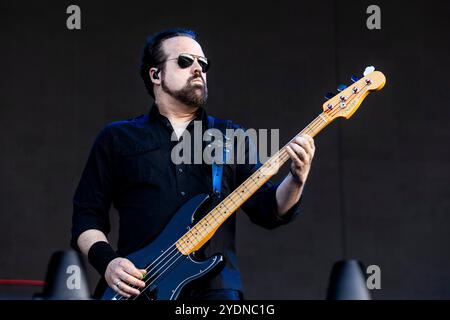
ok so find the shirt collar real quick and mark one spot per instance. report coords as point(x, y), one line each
point(154, 115)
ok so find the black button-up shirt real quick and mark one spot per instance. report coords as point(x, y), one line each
point(130, 167)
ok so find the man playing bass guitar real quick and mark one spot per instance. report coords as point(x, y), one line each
point(130, 167)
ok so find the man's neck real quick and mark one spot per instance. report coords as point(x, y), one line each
point(178, 113)
point(175, 111)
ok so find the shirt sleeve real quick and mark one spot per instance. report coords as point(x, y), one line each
point(92, 199)
point(262, 206)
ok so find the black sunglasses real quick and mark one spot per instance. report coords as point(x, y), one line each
point(185, 60)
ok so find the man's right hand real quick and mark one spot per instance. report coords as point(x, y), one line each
point(121, 274)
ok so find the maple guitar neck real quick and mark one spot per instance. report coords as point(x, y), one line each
point(341, 105)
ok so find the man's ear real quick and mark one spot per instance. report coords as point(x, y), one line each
point(154, 75)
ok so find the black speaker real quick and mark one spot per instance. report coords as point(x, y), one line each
point(348, 281)
point(66, 278)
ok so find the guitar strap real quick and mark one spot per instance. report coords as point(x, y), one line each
point(217, 168)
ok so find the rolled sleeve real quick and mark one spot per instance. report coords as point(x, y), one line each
point(262, 208)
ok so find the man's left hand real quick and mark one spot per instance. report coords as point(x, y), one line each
point(301, 150)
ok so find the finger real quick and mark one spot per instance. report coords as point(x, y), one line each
point(123, 286)
point(310, 140)
point(117, 289)
point(129, 268)
point(304, 143)
point(131, 280)
point(313, 146)
point(299, 151)
point(143, 273)
point(302, 149)
point(294, 158)
point(307, 143)
point(122, 293)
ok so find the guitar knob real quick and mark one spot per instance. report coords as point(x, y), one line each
point(368, 70)
point(341, 87)
point(354, 78)
point(329, 95)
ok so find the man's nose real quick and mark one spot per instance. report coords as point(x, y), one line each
point(197, 68)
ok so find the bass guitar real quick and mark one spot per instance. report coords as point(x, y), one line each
point(170, 260)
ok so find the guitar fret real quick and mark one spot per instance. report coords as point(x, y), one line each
point(220, 217)
point(197, 231)
point(210, 220)
point(258, 175)
point(244, 185)
point(225, 206)
point(217, 213)
point(239, 194)
point(189, 238)
point(323, 118)
point(251, 179)
point(214, 218)
point(229, 198)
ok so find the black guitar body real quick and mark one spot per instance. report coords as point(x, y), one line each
point(168, 271)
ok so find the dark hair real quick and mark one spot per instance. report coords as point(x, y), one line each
point(153, 54)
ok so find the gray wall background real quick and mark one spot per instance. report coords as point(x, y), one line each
point(379, 187)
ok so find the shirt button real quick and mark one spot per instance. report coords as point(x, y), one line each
point(180, 170)
point(183, 193)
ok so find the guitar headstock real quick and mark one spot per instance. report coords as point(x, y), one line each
point(348, 100)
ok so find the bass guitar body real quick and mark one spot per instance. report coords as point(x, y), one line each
point(168, 270)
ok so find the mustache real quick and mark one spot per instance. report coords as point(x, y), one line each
point(195, 77)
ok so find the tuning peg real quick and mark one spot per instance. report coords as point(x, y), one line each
point(368, 70)
point(329, 95)
point(354, 78)
point(341, 87)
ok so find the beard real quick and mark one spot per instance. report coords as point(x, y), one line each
point(193, 95)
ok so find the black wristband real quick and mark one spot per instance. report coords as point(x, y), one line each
point(100, 255)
